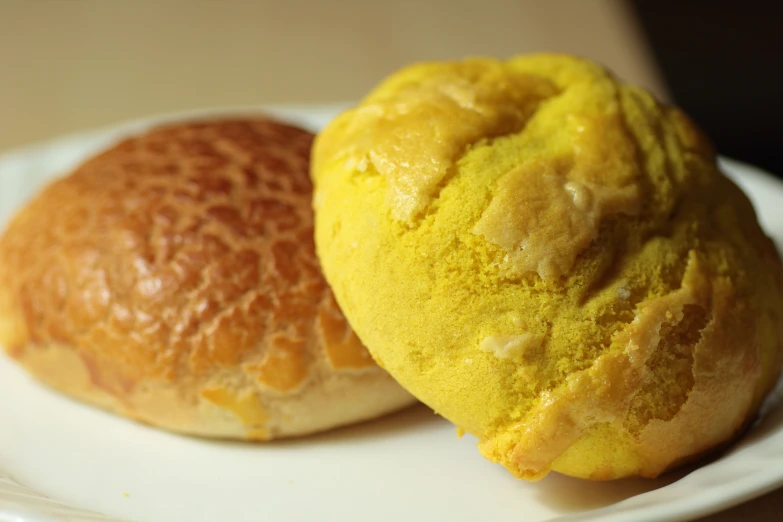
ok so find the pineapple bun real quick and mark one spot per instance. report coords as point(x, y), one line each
point(552, 260)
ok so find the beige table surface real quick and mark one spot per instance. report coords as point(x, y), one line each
point(69, 65)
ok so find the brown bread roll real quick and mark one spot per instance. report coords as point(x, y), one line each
point(173, 279)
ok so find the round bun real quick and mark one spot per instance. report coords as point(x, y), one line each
point(552, 260)
point(173, 279)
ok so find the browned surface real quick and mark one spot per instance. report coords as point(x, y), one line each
point(175, 256)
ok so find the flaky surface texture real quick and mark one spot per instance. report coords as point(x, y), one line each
point(552, 260)
point(173, 279)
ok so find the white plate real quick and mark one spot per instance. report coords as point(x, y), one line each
point(63, 461)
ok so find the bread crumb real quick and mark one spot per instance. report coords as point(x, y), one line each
point(460, 432)
point(361, 166)
point(510, 346)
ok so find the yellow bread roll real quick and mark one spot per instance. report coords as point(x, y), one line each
point(552, 260)
point(173, 279)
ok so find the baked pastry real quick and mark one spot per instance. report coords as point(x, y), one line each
point(173, 279)
point(552, 260)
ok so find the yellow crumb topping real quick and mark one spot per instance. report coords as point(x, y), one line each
point(552, 260)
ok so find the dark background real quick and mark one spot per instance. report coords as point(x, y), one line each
point(723, 62)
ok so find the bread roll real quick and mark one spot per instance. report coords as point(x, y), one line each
point(553, 261)
point(173, 279)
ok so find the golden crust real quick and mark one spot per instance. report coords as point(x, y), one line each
point(552, 260)
point(181, 264)
point(698, 332)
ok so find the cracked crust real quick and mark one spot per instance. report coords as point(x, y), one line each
point(552, 260)
point(173, 279)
